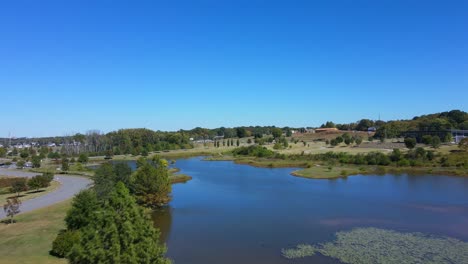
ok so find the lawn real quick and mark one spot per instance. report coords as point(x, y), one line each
point(325, 172)
point(30, 239)
point(4, 193)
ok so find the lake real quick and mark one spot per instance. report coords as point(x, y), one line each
point(233, 213)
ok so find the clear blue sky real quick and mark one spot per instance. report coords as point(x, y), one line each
point(70, 66)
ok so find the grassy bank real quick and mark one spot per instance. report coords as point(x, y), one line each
point(30, 239)
point(24, 196)
point(179, 178)
point(323, 170)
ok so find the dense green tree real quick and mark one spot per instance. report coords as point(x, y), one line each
point(40, 181)
point(3, 152)
point(65, 164)
point(84, 205)
point(20, 164)
point(410, 143)
point(53, 155)
point(123, 174)
point(104, 180)
point(396, 155)
point(119, 232)
point(329, 124)
point(426, 139)
point(277, 132)
point(34, 183)
point(24, 154)
point(83, 158)
point(358, 141)
point(64, 242)
point(36, 161)
point(435, 142)
point(19, 185)
point(364, 124)
point(463, 144)
point(241, 132)
point(151, 183)
point(347, 141)
point(237, 142)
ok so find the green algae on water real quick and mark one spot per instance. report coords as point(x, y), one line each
point(373, 245)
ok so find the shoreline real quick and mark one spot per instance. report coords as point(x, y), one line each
point(318, 170)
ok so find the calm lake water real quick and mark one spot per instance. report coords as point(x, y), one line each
point(236, 214)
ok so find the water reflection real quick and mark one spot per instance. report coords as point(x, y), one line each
point(162, 219)
point(234, 214)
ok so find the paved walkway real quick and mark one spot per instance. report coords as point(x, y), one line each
point(69, 186)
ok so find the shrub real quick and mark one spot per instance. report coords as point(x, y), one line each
point(64, 242)
point(403, 163)
point(410, 142)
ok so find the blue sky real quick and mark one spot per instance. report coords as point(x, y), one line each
point(71, 66)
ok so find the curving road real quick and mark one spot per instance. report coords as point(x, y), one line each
point(69, 186)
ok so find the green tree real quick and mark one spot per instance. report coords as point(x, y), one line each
point(83, 158)
point(20, 164)
point(53, 155)
point(151, 183)
point(104, 180)
point(84, 205)
point(463, 144)
point(119, 232)
point(19, 185)
point(410, 142)
point(241, 132)
point(426, 139)
point(35, 183)
point(435, 142)
point(276, 132)
point(3, 152)
point(358, 141)
point(64, 242)
point(347, 141)
point(65, 164)
point(36, 162)
point(237, 142)
point(329, 124)
point(24, 154)
point(40, 181)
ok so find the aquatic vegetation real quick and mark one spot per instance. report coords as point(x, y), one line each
point(373, 245)
point(301, 251)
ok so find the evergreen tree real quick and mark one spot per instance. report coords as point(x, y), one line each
point(119, 232)
point(151, 183)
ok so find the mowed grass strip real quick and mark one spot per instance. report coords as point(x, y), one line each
point(30, 239)
point(30, 194)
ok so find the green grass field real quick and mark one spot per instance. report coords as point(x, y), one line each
point(29, 240)
point(4, 194)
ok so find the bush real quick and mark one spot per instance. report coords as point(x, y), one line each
point(83, 158)
point(64, 242)
point(410, 143)
point(256, 151)
point(403, 163)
